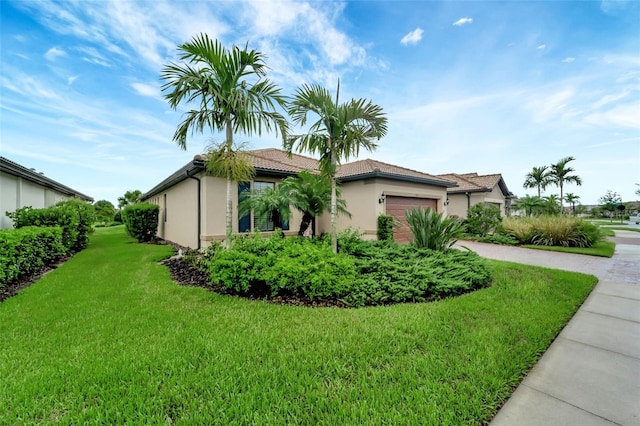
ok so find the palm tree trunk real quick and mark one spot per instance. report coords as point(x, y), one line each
point(305, 223)
point(229, 222)
point(561, 198)
point(229, 213)
point(334, 203)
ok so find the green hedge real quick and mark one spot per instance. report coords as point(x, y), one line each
point(141, 221)
point(27, 249)
point(363, 273)
point(73, 216)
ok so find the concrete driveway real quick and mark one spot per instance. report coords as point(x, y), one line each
point(590, 375)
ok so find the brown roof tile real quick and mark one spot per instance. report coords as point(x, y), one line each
point(474, 181)
point(368, 166)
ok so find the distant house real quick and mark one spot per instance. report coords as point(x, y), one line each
point(22, 187)
point(472, 189)
point(192, 204)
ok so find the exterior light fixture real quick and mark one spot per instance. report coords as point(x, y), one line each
point(382, 198)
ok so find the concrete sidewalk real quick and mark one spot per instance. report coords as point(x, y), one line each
point(590, 375)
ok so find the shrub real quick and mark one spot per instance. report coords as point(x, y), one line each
point(483, 219)
point(563, 231)
point(117, 217)
point(432, 230)
point(141, 221)
point(385, 227)
point(392, 273)
point(363, 273)
point(27, 249)
point(73, 216)
point(279, 266)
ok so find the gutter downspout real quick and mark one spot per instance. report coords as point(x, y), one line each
point(199, 209)
point(468, 200)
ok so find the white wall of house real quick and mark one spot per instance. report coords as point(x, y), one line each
point(16, 192)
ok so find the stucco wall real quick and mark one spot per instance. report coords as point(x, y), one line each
point(16, 192)
point(362, 199)
point(458, 202)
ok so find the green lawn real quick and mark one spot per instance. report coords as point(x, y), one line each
point(601, 249)
point(109, 338)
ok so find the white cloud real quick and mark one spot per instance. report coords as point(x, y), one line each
point(462, 21)
point(541, 47)
point(146, 90)
point(71, 79)
point(568, 59)
point(413, 37)
point(54, 53)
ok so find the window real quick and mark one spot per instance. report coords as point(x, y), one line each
point(264, 222)
point(260, 223)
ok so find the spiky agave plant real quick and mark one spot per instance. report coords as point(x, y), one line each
point(432, 230)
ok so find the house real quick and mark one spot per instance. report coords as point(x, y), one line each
point(472, 189)
point(22, 187)
point(193, 204)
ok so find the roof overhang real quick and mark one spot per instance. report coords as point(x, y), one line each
point(15, 169)
point(401, 178)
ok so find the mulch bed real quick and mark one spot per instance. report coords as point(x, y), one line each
point(25, 281)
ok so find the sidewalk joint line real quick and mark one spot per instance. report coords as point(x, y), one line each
point(572, 405)
point(600, 348)
point(610, 316)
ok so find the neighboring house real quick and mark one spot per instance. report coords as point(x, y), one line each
point(192, 204)
point(22, 187)
point(472, 189)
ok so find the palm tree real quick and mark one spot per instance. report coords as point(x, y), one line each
point(560, 174)
point(340, 131)
point(552, 205)
point(538, 177)
point(571, 199)
point(311, 194)
point(232, 94)
point(530, 205)
point(267, 204)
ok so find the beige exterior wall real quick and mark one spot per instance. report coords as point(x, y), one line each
point(178, 216)
point(16, 193)
point(458, 202)
point(362, 199)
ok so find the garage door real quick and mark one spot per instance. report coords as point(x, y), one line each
point(396, 206)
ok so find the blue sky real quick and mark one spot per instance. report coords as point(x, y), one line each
point(468, 86)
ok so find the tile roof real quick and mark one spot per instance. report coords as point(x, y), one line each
point(473, 182)
point(280, 162)
point(376, 168)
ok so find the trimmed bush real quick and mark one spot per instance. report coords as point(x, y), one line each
point(431, 230)
point(363, 273)
point(385, 227)
point(25, 250)
point(392, 273)
point(483, 219)
point(73, 216)
point(141, 221)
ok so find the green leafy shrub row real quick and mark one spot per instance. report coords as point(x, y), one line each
point(363, 273)
point(562, 231)
point(392, 273)
point(27, 249)
point(73, 216)
point(282, 266)
point(141, 221)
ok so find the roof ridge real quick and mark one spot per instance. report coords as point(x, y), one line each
point(396, 166)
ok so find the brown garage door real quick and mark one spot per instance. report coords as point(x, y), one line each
point(396, 206)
